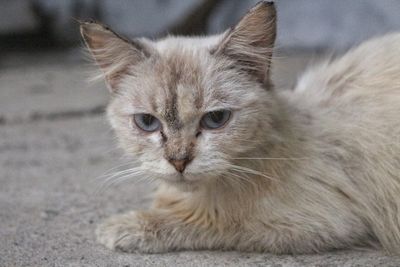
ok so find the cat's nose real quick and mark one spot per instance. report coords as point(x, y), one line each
point(179, 164)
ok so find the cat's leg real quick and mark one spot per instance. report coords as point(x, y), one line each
point(163, 230)
point(157, 231)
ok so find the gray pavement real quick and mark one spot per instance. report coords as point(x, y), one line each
point(55, 143)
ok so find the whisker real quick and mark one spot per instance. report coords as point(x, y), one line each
point(116, 174)
point(106, 173)
point(250, 171)
point(123, 178)
point(260, 158)
point(110, 179)
point(243, 178)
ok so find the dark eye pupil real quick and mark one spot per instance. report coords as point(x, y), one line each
point(146, 122)
point(217, 116)
point(148, 119)
point(215, 119)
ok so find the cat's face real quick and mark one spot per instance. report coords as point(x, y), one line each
point(188, 108)
point(187, 114)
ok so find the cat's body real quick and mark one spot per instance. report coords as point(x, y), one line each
point(291, 171)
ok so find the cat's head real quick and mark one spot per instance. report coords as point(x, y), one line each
point(187, 108)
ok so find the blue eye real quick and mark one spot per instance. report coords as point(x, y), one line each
point(215, 119)
point(146, 122)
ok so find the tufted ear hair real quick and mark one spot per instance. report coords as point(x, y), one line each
point(112, 53)
point(250, 43)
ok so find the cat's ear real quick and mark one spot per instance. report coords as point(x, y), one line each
point(250, 43)
point(112, 53)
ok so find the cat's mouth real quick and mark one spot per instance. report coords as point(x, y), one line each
point(183, 179)
point(182, 182)
point(180, 177)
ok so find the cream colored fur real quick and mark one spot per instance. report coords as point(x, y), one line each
point(301, 171)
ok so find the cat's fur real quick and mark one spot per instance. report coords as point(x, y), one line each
point(293, 171)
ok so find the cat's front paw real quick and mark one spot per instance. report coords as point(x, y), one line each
point(129, 233)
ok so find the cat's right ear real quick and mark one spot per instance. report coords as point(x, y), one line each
point(112, 53)
point(250, 43)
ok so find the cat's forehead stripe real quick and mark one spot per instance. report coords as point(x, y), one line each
point(169, 80)
point(171, 112)
point(181, 82)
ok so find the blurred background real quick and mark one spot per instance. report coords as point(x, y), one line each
point(303, 24)
point(43, 34)
point(55, 143)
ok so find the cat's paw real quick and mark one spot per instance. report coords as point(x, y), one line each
point(129, 233)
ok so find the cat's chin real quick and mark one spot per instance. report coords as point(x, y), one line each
point(185, 186)
point(183, 182)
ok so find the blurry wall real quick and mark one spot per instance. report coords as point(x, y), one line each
point(302, 24)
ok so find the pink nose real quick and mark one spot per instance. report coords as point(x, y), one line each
point(179, 164)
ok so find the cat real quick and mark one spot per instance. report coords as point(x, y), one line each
point(246, 166)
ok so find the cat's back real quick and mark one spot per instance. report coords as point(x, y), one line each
point(352, 105)
point(372, 67)
point(358, 89)
point(349, 109)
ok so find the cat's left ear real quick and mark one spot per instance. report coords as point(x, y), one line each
point(250, 43)
point(113, 53)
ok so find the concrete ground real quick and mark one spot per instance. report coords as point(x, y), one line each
point(55, 142)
